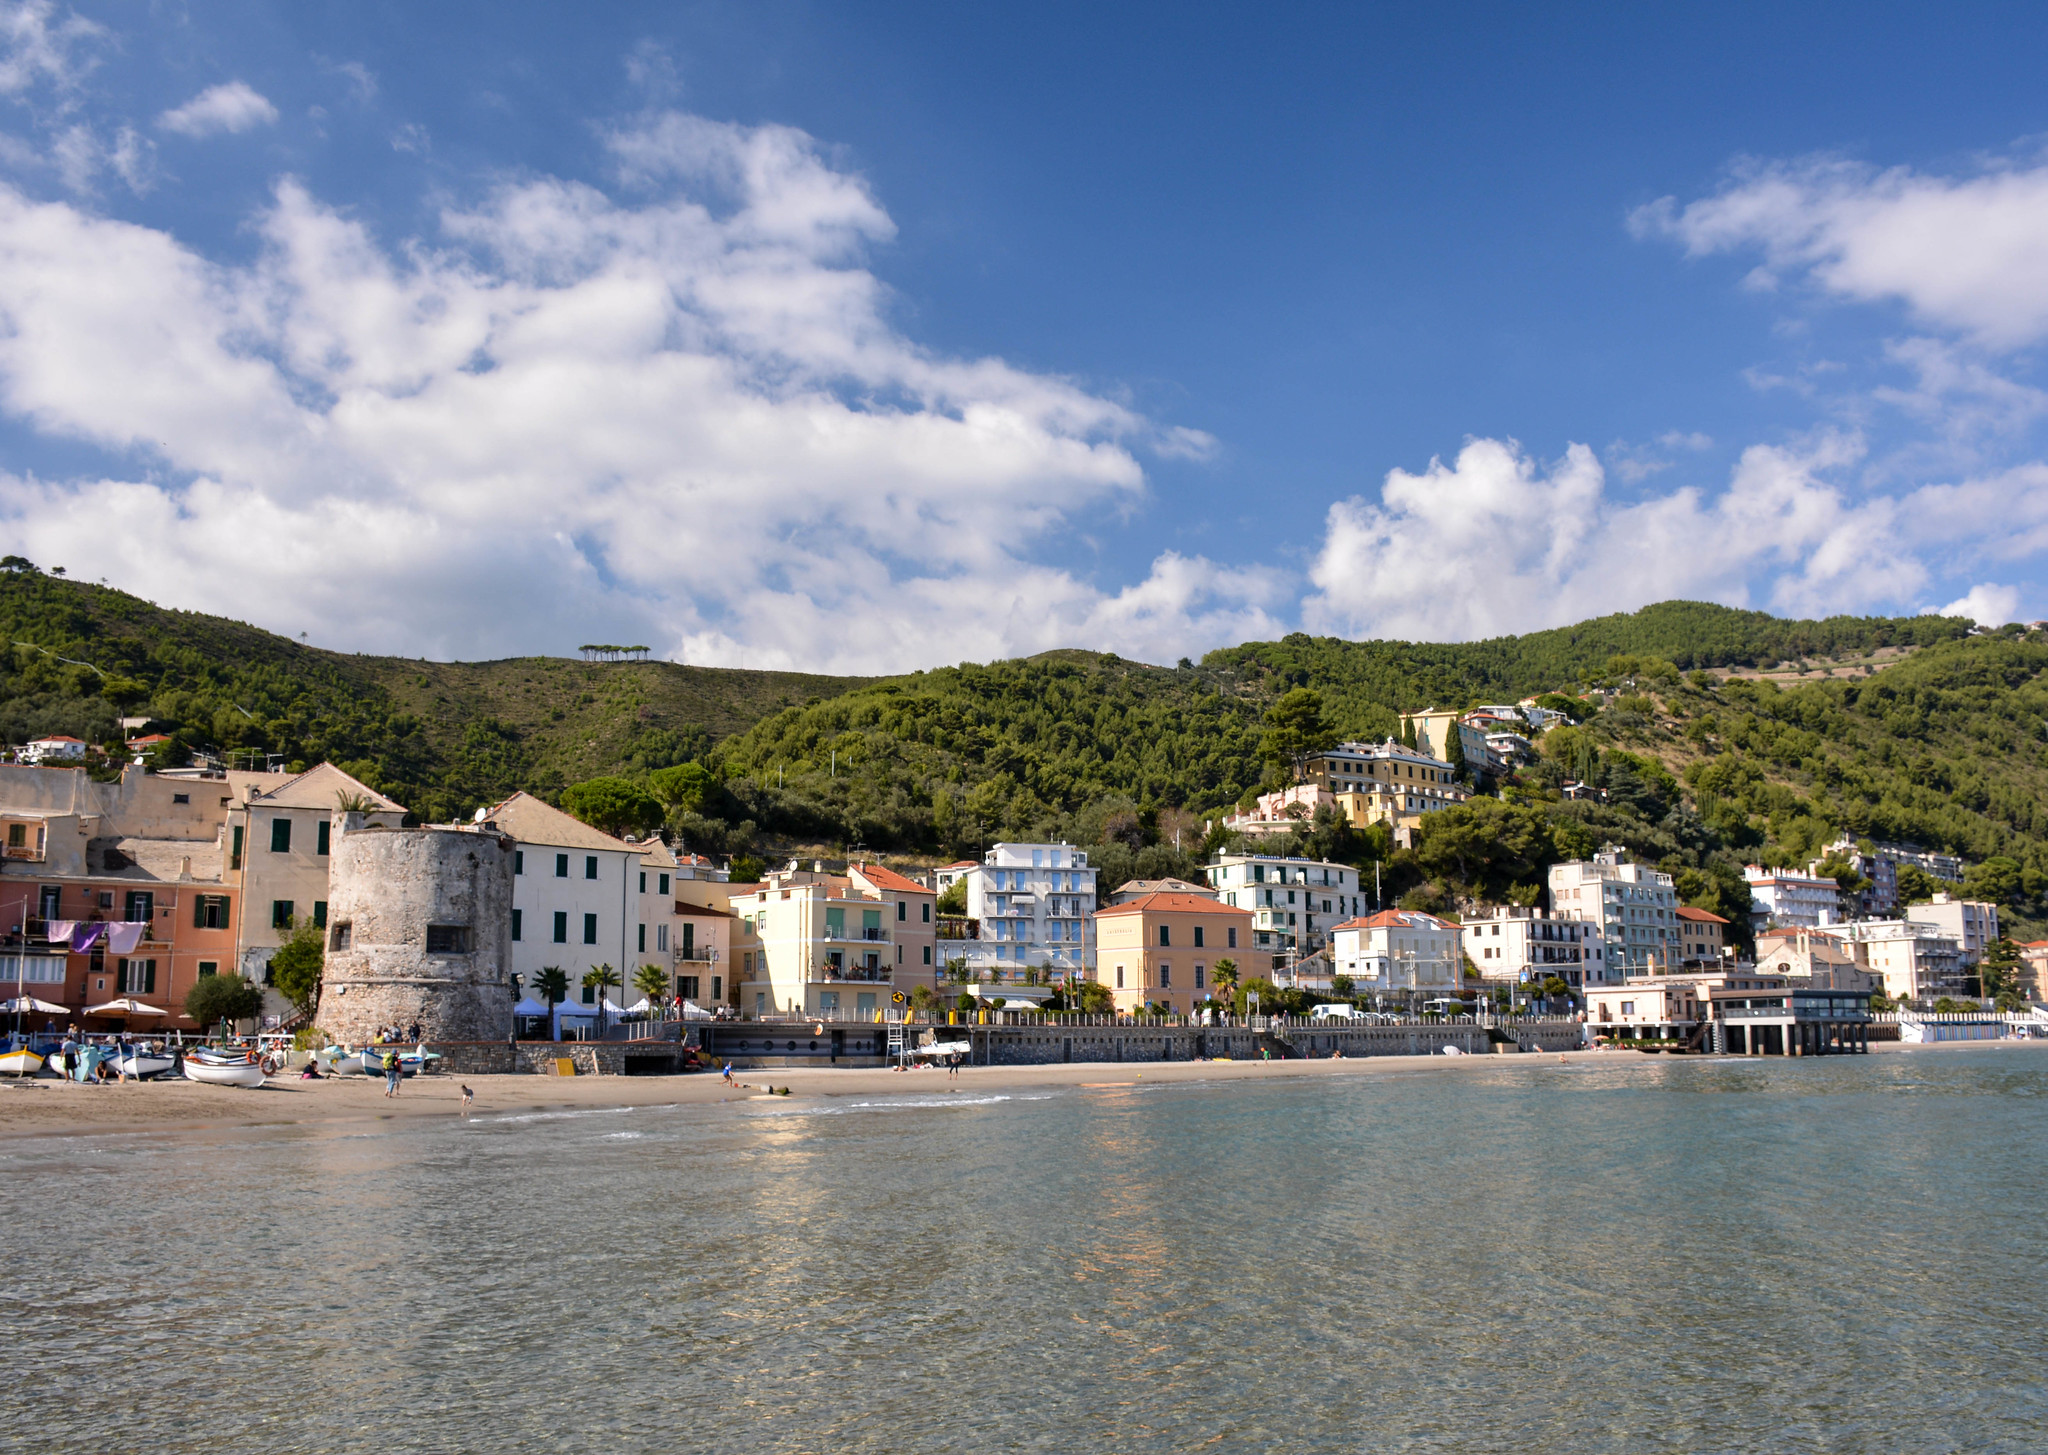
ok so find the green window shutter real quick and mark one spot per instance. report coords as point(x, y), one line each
point(280, 836)
point(235, 852)
point(320, 914)
point(325, 832)
point(590, 929)
point(198, 911)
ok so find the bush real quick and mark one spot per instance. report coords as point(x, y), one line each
point(218, 998)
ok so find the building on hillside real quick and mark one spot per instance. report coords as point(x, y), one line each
point(1132, 889)
point(57, 748)
point(1971, 923)
point(1702, 936)
point(1635, 906)
point(1161, 950)
point(1386, 776)
point(1542, 719)
point(1815, 956)
point(2034, 970)
point(1916, 961)
point(827, 943)
point(576, 900)
point(1510, 749)
point(1402, 953)
point(1034, 907)
point(1295, 902)
point(916, 925)
point(1521, 946)
point(1433, 736)
point(1785, 898)
point(1282, 812)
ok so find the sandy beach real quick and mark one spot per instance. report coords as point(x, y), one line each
point(45, 1108)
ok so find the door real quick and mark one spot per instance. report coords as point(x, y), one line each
point(838, 1044)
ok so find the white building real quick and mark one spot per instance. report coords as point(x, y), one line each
point(1917, 962)
point(1035, 904)
point(576, 897)
point(57, 749)
point(1971, 923)
point(1294, 902)
point(1527, 945)
point(1635, 907)
point(1399, 952)
point(1789, 899)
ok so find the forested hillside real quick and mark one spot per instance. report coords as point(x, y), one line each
point(1703, 765)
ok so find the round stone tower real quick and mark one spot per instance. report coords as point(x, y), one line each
point(419, 928)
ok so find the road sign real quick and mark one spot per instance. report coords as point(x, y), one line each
point(897, 997)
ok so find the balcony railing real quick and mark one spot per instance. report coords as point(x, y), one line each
point(861, 936)
point(864, 974)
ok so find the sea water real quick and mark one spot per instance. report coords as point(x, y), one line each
point(1643, 1253)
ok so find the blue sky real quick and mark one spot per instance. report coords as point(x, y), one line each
point(870, 337)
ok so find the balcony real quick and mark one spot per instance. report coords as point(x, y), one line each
point(858, 937)
point(859, 974)
point(29, 852)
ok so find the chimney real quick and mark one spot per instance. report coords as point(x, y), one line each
point(185, 867)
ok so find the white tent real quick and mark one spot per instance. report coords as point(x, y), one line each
point(695, 1012)
point(529, 1006)
point(568, 1009)
point(640, 1007)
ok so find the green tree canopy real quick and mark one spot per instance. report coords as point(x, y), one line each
point(613, 805)
point(295, 968)
point(1295, 729)
point(218, 998)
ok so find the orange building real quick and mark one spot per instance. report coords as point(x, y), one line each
point(1159, 949)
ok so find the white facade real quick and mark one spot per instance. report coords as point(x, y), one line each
point(576, 900)
point(1785, 898)
point(1399, 950)
point(1036, 908)
point(53, 750)
point(1916, 961)
point(1295, 902)
point(1528, 945)
point(1635, 907)
point(1971, 923)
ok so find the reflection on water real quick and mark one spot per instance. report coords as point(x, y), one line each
point(1646, 1254)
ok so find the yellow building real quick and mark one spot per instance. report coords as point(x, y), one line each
point(1162, 949)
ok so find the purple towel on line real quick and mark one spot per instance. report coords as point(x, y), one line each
point(84, 937)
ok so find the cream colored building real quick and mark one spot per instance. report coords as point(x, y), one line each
point(1812, 955)
point(1971, 923)
point(1635, 906)
point(826, 944)
point(1161, 949)
point(1646, 1006)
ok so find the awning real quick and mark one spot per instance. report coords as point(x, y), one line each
point(29, 1005)
point(126, 1005)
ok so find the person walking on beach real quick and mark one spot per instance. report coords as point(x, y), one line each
point(392, 1074)
point(728, 1073)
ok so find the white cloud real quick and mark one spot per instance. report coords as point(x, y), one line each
point(37, 48)
point(1496, 543)
point(1963, 253)
point(686, 417)
point(233, 107)
point(1987, 605)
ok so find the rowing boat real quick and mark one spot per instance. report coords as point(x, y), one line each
point(215, 1073)
point(20, 1061)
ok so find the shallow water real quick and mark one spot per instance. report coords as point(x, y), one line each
point(1643, 1254)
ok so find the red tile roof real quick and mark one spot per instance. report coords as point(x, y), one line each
point(1161, 903)
point(882, 878)
point(1686, 911)
point(1395, 919)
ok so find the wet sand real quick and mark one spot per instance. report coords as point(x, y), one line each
point(48, 1108)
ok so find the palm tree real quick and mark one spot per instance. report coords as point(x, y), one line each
point(552, 986)
point(600, 978)
point(1223, 979)
point(652, 982)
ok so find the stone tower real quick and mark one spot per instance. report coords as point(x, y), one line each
point(419, 928)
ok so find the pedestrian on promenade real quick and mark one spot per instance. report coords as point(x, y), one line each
point(728, 1073)
point(392, 1074)
point(413, 1032)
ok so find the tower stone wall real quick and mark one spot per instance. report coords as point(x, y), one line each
point(419, 928)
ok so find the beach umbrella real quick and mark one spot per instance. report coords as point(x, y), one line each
point(125, 1006)
point(28, 1005)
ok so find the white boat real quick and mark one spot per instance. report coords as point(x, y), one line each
point(1454, 1050)
point(243, 1073)
point(337, 1061)
point(143, 1063)
point(20, 1061)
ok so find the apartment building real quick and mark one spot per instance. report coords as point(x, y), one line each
point(1294, 902)
point(1702, 936)
point(714, 949)
point(576, 896)
point(1787, 898)
point(1823, 958)
point(1916, 961)
point(1400, 952)
point(1971, 923)
point(916, 936)
point(1635, 907)
point(1529, 945)
point(1032, 906)
point(827, 943)
point(1385, 782)
point(1160, 950)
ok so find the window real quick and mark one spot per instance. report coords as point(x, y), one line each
point(209, 911)
point(561, 866)
point(281, 914)
point(902, 911)
point(927, 913)
point(140, 906)
point(590, 929)
point(51, 901)
point(208, 967)
point(519, 861)
point(718, 987)
point(322, 832)
point(689, 940)
point(181, 798)
point(17, 836)
point(561, 927)
point(1165, 936)
point(835, 924)
point(871, 923)
point(643, 935)
point(338, 937)
point(1198, 937)
point(590, 866)
point(1233, 937)
point(664, 884)
point(447, 939)
point(135, 977)
point(927, 954)
point(661, 937)
point(280, 836)
point(518, 917)
point(590, 995)
point(320, 914)
point(1166, 977)
point(1119, 977)
point(1200, 976)
point(235, 851)
point(686, 986)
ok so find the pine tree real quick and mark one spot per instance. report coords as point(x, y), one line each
point(1408, 733)
point(1455, 753)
